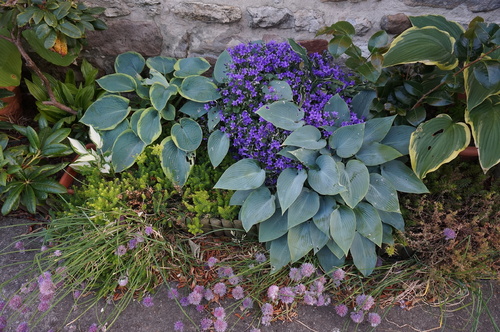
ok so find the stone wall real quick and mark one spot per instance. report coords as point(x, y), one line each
point(206, 27)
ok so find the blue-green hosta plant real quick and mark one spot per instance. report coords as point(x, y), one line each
point(313, 170)
point(26, 171)
point(433, 63)
point(153, 101)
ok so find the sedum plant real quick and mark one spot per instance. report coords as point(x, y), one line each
point(330, 186)
point(26, 169)
point(431, 65)
point(160, 107)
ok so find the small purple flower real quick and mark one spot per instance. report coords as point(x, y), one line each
point(266, 320)
point(225, 271)
point(27, 288)
point(3, 322)
point(184, 301)
point(20, 246)
point(295, 274)
point(341, 310)
point(220, 325)
point(206, 324)
point(234, 280)
point(93, 328)
point(300, 289)
point(365, 302)
point(374, 319)
point(357, 316)
point(449, 234)
point(307, 270)
point(247, 303)
point(195, 298)
point(179, 326)
point(272, 292)
point(267, 309)
point(209, 295)
point(309, 299)
point(200, 308)
point(123, 281)
point(121, 250)
point(23, 327)
point(260, 257)
point(76, 294)
point(44, 248)
point(57, 253)
point(286, 295)
point(173, 293)
point(323, 300)
point(132, 244)
point(338, 275)
point(43, 306)
point(148, 230)
point(148, 301)
point(15, 302)
point(211, 261)
point(220, 289)
point(219, 313)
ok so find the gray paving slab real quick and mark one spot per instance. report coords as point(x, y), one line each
point(166, 312)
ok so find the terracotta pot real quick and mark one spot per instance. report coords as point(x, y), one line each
point(13, 111)
point(69, 174)
point(469, 153)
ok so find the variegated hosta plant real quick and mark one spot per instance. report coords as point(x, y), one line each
point(336, 192)
point(433, 63)
point(153, 101)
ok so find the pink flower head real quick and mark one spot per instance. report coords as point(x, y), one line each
point(234, 280)
point(220, 289)
point(148, 301)
point(195, 298)
point(20, 246)
point(220, 325)
point(199, 289)
point(260, 257)
point(286, 295)
point(209, 295)
point(123, 281)
point(365, 302)
point(307, 270)
point(267, 309)
point(225, 271)
point(206, 324)
point(93, 328)
point(247, 303)
point(341, 310)
point(266, 320)
point(374, 319)
point(148, 230)
point(449, 234)
point(300, 289)
point(121, 250)
point(238, 293)
point(43, 306)
point(179, 326)
point(338, 275)
point(295, 274)
point(173, 293)
point(219, 313)
point(272, 292)
point(211, 261)
point(23, 327)
point(15, 302)
point(309, 299)
point(357, 316)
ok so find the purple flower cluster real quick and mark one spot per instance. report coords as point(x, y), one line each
point(248, 88)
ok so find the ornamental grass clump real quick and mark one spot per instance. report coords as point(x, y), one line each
point(260, 74)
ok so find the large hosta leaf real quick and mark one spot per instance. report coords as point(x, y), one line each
point(476, 91)
point(368, 222)
point(436, 142)
point(259, 206)
point(199, 88)
point(274, 227)
point(382, 194)
point(106, 112)
point(376, 129)
point(279, 90)
point(363, 254)
point(347, 140)
point(126, 149)
point(356, 179)
point(130, 63)
point(176, 163)
point(438, 21)
point(428, 45)
point(283, 114)
point(343, 227)
point(304, 238)
point(322, 218)
point(242, 175)
point(303, 208)
point(217, 146)
point(149, 125)
point(160, 94)
point(402, 177)
point(289, 186)
point(117, 83)
point(325, 179)
point(279, 253)
point(308, 137)
point(10, 63)
point(398, 138)
point(373, 154)
point(485, 123)
point(187, 134)
point(190, 66)
point(162, 64)
point(393, 218)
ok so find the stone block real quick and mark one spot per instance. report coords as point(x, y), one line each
point(308, 20)
point(472, 5)
point(206, 12)
point(270, 17)
point(395, 24)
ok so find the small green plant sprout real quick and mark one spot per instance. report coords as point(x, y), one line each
point(54, 29)
point(26, 170)
point(91, 157)
point(431, 66)
point(138, 111)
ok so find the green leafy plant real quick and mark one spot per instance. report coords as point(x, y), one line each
point(433, 63)
point(138, 111)
point(76, 95)
point(339, 197)
point(55, 30)
point(26, 172)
